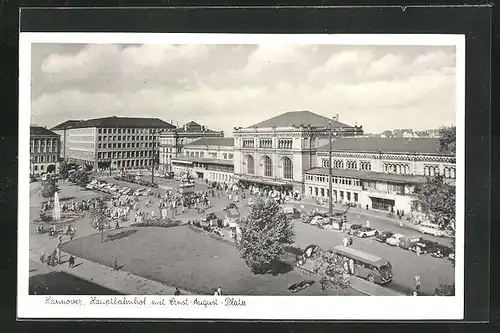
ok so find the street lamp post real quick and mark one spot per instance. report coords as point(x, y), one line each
point(153, 159)
point(330, 210)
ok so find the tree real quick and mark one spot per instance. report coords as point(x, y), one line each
point(447, 139)
point(49, 188)
point(436, 199)
point(63, 170)
point(99, 216)
point(331, 270)
point(80, 177)
point(265, 233)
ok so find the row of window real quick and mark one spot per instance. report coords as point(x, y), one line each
point(402, 169)
point(125, 145)
point(335, 180)
point(248, 143)
point(267, 164)
point(38, 142)
point(124, 138)
point(124, 154)
point(433, 170)
point(124, 130)
point(39, 149)
point(214, 176)
point(201, 154)
point(44, 159)
point(285, 143)
point(132, 163)
point(266, 143)
point(337, 195)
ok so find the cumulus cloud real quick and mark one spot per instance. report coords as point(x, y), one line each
point(224, 86)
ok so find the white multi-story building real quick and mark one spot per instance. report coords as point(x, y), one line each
point(172, 142)
point(277, 151)
point(44, 150)
point(118, 142)
point(211, 159)
point(377, 173)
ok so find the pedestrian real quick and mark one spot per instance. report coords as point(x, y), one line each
point(42, 257)
point(346, 242)
point(418, 251)
point(71, 261)
point(58, 254)
point(366, 207)
point(417, 282)
point(219, 291)
point(177, 292)
point(60, 239)
point(350, 241)
point(367, 224)
point(215, 292)
point(115, 264)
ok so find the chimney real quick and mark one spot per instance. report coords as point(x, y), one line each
point(337, 117)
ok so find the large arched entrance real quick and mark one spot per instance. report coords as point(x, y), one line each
point(268, 166)
point(287, 166)
point(51, 168)
point(250, 165)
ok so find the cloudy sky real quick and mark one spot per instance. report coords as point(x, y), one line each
point(223, 86)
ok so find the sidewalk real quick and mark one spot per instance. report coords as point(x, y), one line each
point(371, 289)
point(120, 281)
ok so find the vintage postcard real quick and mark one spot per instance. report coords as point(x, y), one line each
point(223, 176)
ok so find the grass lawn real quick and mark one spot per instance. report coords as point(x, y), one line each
point(187, 259)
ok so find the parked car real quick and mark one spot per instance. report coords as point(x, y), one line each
point(432, 229)
point(424, 245)
point(364, 232)
point(291, 212)
point(353, 228)
point(395, 239)
point(317, 220)
point(383, 236)
point(209, 217)
point(408, 242)
point(440, 251)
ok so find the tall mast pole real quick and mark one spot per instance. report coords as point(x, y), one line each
point(330, 210)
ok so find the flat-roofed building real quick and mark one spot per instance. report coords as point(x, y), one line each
point(277, 151)
point(378, 173)
point(44, 150)
point(119, 142)
point(172, 142)
point(211, 159)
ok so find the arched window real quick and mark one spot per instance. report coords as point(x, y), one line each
point(268, 166)
point(287, 168)
point(250, 165)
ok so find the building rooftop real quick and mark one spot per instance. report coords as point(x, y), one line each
point(297, 118)
point(226, 142)
point(116, 122)
point(385, 145)
point(192, 123)
point(369, 175)
point(41, 131)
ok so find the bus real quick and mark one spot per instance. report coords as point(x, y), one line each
point(366, 266)
point(186, 188)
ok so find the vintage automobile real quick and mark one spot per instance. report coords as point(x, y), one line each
point(209, 217)
point(364, 232)
point(353, 228)
point(432, 229)
point(291, 212)
point(383, 236)
point(318, 220)
point(408, 242)
point(424, 245)
point(440, 251)
point(395, 239)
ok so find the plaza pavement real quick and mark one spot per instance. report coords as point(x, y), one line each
point(432, 271)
